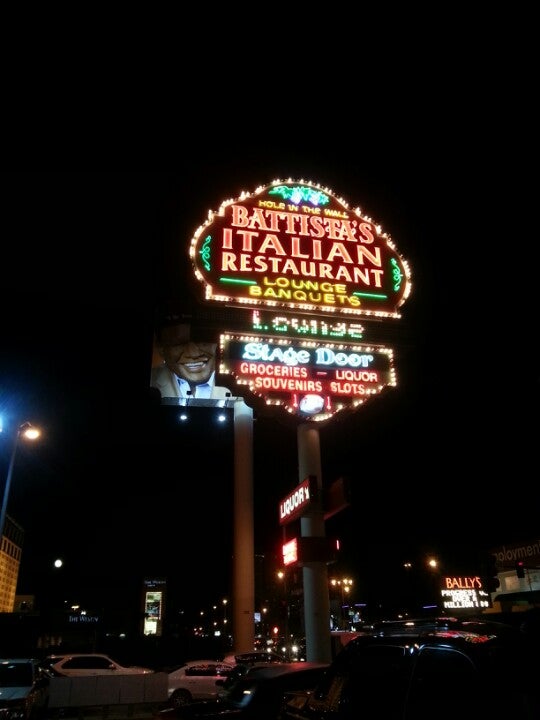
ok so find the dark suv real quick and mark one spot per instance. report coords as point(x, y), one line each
point(419, 670)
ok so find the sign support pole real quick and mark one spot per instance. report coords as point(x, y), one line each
point(243, 610)
point(315, 574)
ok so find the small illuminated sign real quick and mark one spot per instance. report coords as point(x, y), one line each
point(302, 550)
point(153, 605)
point(295, 245)
point(297, 503)
point(464, 593)
point(290, 325)
point(310, 378)
point(290, 552)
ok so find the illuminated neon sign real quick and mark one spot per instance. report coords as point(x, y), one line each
point(289, 552)
point(297, 502)
point(293, 245)
point(463, 593)
point(305, 326)
point(310, 378)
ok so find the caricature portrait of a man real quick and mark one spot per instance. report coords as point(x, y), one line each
point(187, 367)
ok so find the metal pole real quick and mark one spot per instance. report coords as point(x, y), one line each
point(243, 609)
point(315, 574)
point(3, 512)
point(32, 433)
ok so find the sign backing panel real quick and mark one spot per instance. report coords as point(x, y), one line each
point(312, 379)
point(293, 244)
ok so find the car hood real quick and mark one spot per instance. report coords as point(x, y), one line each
point(14, 693)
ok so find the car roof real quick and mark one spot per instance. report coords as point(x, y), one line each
point(473, 634)
point(307, 674)
point(202, 663)
point(419, 626)
point(65, 655)
point(254, 658)
point(206, 661)
point(273, 669)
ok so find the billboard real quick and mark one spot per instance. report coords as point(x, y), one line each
point(184, 366)
point(311, 378)
point(294, 245)
point(464, 593)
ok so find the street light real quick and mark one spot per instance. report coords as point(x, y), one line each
point(344, 587)
point(224, 601)
point(282, 577)
point(27, 431)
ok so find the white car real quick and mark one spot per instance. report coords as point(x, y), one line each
point(196, 680)
point(88, 664)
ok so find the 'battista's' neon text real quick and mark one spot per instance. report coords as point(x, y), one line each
point(256, 247)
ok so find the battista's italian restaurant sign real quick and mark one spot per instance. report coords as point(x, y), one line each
point(309, 270)
point(294, 245)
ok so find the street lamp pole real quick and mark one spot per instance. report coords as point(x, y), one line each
point(225, 601)
point(31, 433)
point(283, 577)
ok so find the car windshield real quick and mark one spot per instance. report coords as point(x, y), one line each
point(15, 674)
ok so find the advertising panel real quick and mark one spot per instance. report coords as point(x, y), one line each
point(152, 612)
point(184, 366)
point(310, 378)
point(298, 501)
point(464, 593)
point(294, 245)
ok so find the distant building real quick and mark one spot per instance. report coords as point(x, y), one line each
point(10, 562)
point(25, 604)
point(517, 593)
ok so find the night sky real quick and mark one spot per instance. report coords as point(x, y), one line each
point(443, 463)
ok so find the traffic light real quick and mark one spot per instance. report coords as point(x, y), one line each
point(493, 584)
point(520, 569)
point(490, 579)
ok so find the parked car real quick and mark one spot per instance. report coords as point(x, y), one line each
point(256, 656)
point(253, 669)
point(87, 664)
point(259, 694)
point(24, 689)
point(196, 680)
point(443, 668)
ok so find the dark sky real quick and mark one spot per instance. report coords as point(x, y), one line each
point(443, 463)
